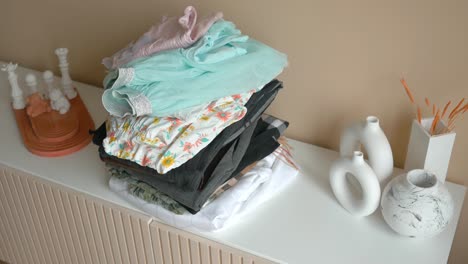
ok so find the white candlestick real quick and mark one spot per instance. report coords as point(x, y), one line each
point(16, 92)
point(31, 82)
point(49, 80)
point(66, 79)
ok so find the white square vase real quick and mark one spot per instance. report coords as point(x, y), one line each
point(428, 152)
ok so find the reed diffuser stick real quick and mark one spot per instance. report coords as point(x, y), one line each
point(452, 117)
point(408, 91)
point(419, 115)
point(445, 109)
point(454, 111)
point(434, 122)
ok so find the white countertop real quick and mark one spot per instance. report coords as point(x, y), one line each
point(302, 224)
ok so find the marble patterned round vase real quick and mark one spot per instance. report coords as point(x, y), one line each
point(416, 204)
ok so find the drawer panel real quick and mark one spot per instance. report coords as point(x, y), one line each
point(44, 222)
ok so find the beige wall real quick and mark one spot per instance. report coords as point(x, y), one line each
point(346, 57)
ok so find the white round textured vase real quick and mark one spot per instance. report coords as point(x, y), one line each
point(364, 177)
point(371, 136)
point(416, 204)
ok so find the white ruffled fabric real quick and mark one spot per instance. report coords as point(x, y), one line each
point(267, 178)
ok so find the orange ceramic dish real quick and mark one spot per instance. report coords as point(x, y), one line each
point(52, 134)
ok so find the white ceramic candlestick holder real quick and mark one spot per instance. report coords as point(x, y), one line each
point(48, 77)
point(66, 79)
point(431, 153)
point(16, 92)
point(31, 82)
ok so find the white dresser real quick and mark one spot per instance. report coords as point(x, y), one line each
point(60, 210)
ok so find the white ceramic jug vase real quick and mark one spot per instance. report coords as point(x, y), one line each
point(370, 135)
point(366, 179)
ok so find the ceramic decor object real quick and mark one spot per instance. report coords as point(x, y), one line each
point(55, 127)
point(416, 204)
point(364, 179)
point(16, 92)
point(431, 153)
point(31, 82)
point(37, 105)
point(52, 134)
point(64, 70)
point(369, 134)
point(48, 77)
point(58, 101)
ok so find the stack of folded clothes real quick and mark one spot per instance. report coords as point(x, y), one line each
point(187, 139)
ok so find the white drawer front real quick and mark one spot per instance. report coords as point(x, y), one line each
point(43, 222)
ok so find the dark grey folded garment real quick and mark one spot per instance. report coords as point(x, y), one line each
point(264, 140)
point(193, 174)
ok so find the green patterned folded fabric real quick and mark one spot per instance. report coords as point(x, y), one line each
point(145, 191)
point(150, 194)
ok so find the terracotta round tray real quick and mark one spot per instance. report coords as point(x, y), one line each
point(53, 134)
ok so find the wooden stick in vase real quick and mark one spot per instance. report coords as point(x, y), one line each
point(445, 109)
point(407, 89)
point(419, 115)
point(454, 111)
point(434, 122)
point(457, 115)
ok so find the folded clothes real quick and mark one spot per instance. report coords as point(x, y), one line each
point(166, 143)
point(225, 164)
point(265, 138)
point(221, 63)
point(171, 33)
point(226, 160)
point(151, 195)
point(145, 191)
point(190, 175)
point(266, 179)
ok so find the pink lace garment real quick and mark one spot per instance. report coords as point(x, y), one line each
point(171, 33)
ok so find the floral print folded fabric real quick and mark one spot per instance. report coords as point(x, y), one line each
point(166, 143)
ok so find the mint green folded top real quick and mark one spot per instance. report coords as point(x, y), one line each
point(223, 62)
